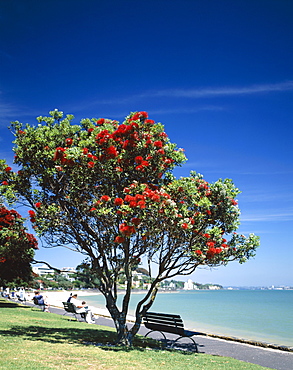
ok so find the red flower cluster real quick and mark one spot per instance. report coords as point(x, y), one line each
point(103, 137)
point(111, 152)
point(7, 217)
point(126, 230)
point(118, 202)
point(136, 221)
point(119, 239)
point(32, 215)
point(68, 142)
point(212, 252)
point(105, 198)
point(32, 241)
point(139, 115)
point(100, 121)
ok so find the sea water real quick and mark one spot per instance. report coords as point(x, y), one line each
point(260, 315)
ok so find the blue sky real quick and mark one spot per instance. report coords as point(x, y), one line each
point(217, 74)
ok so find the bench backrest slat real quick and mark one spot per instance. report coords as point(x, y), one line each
point(164, 322)
point(69, 307)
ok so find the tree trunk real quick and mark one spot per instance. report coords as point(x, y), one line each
point(125, 334)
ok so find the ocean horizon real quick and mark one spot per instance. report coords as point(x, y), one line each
point(253, 315)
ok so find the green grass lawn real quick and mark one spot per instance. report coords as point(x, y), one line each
point(32, 339)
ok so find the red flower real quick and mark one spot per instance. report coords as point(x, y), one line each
point(211, 244)
point(8, 169)
point(233, 201)
point(149, 121)
point(59, 153)
point(209, 212)
point(158, 144)
point(141, 204)
point(93, 209)
point(85, 151)
point(207, 236)
point(90, 130)
point(126, 229)
point(91, 164)
point(138, 159)
point(119, 239)
point(139, 115)
point(2, 259)
point(198, 252)
point(111, 152)
point(118, 202)
point(68, 141)
point(184, 226)
point(136, 221)
point(100, 121)
point(105, 198)
point(38, 204)
point(4, 183)
point(32, 213)
point(211, 252)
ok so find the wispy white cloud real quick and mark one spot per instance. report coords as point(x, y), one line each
point(273, 216)
point(225, 91)
point(195, 93)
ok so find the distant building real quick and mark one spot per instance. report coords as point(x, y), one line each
point(189, 285)
point(42, 270)
point(67, 272)
point(45, 270)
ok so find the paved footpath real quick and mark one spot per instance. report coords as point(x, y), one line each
point(267, 357)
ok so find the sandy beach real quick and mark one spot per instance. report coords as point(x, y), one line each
point(55, 299)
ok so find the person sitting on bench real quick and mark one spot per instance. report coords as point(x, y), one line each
point(38, 300)
point(81, 307)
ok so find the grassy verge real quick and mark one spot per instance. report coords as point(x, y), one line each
point(31, 339)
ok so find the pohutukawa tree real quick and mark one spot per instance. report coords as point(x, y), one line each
point(106, 190)
point(17, 248)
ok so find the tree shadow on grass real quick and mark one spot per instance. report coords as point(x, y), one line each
point(11, 304)
point(95, 335)
point(101, 338)
point(59, 335)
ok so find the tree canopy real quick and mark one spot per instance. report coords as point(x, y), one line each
point(16, 248)
point(106, 190)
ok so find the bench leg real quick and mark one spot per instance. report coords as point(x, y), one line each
point(195, 344)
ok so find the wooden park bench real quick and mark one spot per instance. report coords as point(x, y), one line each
point(70, 308)
point(168, 323)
